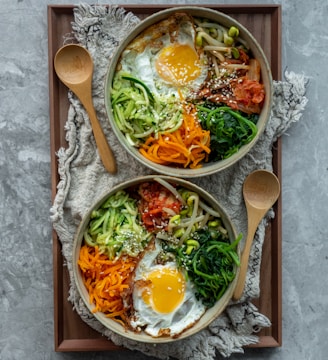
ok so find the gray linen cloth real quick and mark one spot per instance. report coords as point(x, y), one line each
point(83, 179)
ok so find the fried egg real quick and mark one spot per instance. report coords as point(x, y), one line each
point(163, 300)
point(166, 58)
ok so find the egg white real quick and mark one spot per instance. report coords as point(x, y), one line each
point(142, 64)
point(154, 323)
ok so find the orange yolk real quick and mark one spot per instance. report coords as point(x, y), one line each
point(178, 64)
point(166, 290)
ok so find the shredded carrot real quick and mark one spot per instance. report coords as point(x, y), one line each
point(187, 146)
point(106, 280)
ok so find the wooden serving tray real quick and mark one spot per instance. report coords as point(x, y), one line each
point(71, 333)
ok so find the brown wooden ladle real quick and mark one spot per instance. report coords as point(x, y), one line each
point(261, 190)
point(74, 67)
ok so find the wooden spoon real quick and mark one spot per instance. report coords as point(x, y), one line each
point(261, 190)
point(74, 67)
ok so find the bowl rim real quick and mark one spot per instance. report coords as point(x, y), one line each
point(266, 75)
point(209, 315)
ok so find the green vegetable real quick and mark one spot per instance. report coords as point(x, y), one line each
point(235, 53)
point(211, 267)
point(213, 32)
point(228, 40)
point(115, 227)
point(199, 40)
point(138, 113)
point(233, 31)
point(139, 82)
point(229, 129)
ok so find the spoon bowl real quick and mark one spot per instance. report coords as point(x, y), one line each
point(73, 64)
point(261, 190)
point(74, 67)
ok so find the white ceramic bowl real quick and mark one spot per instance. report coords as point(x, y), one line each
point(209, 315)
point(266, 79)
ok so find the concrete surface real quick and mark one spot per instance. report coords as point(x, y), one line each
point(26, 289)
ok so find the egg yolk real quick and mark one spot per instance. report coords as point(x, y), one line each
point(166, 290)
point(178, 64)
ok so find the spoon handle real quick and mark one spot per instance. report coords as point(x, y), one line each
point(105, 152)
point(253, 223)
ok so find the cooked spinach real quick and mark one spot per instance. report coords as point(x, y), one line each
point(211, 266)
point(229, 129)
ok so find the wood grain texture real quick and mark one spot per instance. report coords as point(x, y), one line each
point(71, 333)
